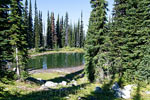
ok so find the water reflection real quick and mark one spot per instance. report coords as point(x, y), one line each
point(58, 60)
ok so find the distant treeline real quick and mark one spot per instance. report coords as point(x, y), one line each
point(58, 35)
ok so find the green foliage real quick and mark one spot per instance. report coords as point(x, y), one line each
point(95, 39)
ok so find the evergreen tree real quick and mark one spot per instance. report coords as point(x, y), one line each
point(30, 27)
point(66, 30)
point(95, 38)
point(41, 29)
point(70, 35)
point(5, 47)
point(63, 31)
point(36, 29)
point(53, 32)
point(81, 32)
point(49, 34)
point(58, 31)
point(26, 21)
point(18, 35)
point(78, 34)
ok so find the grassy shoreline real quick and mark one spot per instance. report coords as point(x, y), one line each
point(32, 53)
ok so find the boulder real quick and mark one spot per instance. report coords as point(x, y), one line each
point(126, 92)
point(74, 83)
point(43, 87)
point(63, 83)
point(147, 92)
point(98, 90)
point(50, 84)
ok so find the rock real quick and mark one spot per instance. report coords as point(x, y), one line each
point(43, 87)
point(63, 83)
point(126, 92)
point(50, 84)
point(147, 92)
point(39, 79)
point(128, 87)
point(115, 86)
point(98, 90)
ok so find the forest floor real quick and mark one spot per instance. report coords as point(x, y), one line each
point(83, 90)
point(32, 53)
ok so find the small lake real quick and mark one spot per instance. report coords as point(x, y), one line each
point(57, 60)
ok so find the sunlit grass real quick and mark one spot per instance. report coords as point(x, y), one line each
point(25, 91)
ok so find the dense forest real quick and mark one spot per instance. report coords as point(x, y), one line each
point(20, 32)
point(119, 45)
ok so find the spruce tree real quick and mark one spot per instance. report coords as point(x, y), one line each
point(30, 27)
point(63, 31)
point(49, 34)
point(5, 47)
point(18, 36)
point(36, 29)
point(58, 32)
point(26, 21)
point(70, 35)
point(41, 30)
point(53, 31)
point(66, 29)
point(95, 38)
point(81, 32)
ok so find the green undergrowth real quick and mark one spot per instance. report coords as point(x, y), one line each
point(18, 90)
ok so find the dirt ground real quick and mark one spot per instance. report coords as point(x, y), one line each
point(65, 70)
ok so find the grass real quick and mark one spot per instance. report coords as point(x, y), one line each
point(26, 91)
point(60, 50)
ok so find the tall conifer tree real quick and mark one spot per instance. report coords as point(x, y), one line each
point(95, 37)
point(18, 35)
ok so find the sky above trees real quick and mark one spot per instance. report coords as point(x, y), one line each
point(73, 7)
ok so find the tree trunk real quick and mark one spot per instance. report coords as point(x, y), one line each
point(17, 64)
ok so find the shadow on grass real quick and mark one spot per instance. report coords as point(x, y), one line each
point(137, 95)
point(107, 93)
point(67, 78)
point(51, 94)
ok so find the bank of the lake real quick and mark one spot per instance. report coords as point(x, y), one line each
point(32, 52)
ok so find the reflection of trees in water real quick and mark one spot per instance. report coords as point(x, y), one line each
point(56, 60)
point(44, 62)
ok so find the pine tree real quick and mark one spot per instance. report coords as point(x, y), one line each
point(5, 47)
point(59, 33)
point(49, 34)
point(41, 30)
point(66, 30)
point(53, 31)
point(81, 32)
point(30, 27)
point(78, 34)
point(63, 31)
point(36, 29)
point(18, 35)
point(26, 21)
point(70, 35)
point(95, 38)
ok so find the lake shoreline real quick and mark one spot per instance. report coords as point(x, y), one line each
point(53, 52)
point(59, 70)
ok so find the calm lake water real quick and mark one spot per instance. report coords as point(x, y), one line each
point(58, 60)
